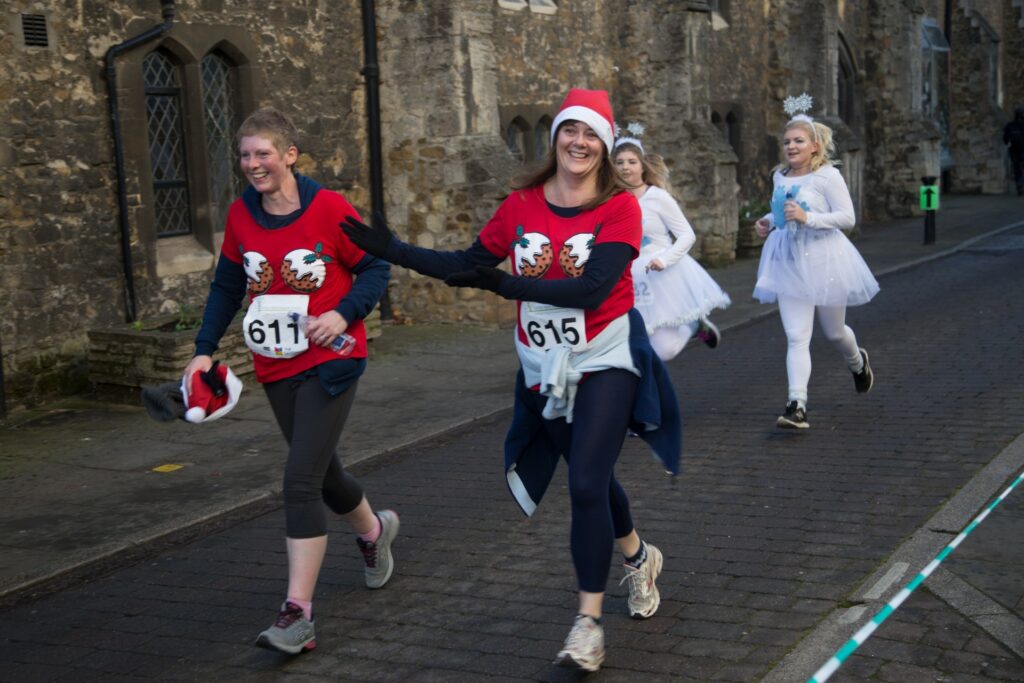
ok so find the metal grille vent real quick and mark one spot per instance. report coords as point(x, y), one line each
point(33, 27)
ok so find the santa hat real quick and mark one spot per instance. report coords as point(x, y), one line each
point(214, 393)
point(592, 108)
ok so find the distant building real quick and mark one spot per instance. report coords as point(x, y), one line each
point(468, 88)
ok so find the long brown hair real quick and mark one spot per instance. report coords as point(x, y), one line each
point(608, 182)
point(655, 171)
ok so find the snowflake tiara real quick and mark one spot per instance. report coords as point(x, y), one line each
point(799, 105)
point(635, 132)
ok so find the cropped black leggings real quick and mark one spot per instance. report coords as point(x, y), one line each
point(311, 421)
point(590, 446)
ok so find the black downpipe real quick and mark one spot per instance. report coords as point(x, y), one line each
point(115, 122)
point(3, 394)
point(371, 71)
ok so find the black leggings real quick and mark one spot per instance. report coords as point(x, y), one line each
point(311, 421)
point(590, 446)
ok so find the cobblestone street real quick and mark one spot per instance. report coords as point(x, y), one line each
point(766, 535)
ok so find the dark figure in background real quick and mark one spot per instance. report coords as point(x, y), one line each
point(1013, 137)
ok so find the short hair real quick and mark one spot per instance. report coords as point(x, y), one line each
point(272, 124)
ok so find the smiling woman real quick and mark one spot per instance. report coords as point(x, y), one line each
point(807, 264)
point(570, 232)
point(283, 248)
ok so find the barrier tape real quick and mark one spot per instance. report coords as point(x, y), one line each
point(830, 667)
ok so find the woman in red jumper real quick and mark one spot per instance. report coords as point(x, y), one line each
point(309, 289)
point(588, 373)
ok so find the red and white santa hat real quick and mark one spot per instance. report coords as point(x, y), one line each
point(593, 108)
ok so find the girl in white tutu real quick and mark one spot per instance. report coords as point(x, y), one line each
point(672, 292)
point(807, 263)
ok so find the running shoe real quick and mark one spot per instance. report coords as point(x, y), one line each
point(644, 597)
point(795, 417)
point(292, 632)
point(865, 379)
point(584, 647)
point(708, 333)
point(380, 562)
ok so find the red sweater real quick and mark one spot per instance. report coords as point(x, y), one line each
point(311, 256)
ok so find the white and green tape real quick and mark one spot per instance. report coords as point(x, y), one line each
point(833, 664)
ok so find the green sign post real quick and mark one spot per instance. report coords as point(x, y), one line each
point(929, 196)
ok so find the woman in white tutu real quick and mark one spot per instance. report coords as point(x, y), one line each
point(672, 292)
point(807, 263)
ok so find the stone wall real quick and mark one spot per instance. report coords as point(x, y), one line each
point(904, 144)
point(665, 85)
point(758, 68)
point(977, 144)
point(60, 255)
point(749, 77)
point(453, 72)
point(446, 167)
point(1012, 55)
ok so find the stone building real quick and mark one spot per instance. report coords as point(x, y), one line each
point(98, 229)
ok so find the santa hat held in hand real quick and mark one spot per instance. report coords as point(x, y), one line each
point(592, 108)
point(214, 393)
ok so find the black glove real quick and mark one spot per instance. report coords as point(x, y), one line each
point(481, 277)
point(164, 402)
point(218, 387)
point(371, 239)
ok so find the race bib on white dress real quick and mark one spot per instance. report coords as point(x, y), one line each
point(642, 294)
point(549, 326)
point(272, 325)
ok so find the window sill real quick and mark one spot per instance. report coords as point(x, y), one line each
point(181, 256)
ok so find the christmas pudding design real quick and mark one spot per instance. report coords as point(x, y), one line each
point(257, 270)
point(573, 255)
point(533, 253)
point(304, 270)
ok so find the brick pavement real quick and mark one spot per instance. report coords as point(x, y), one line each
point(766, 534)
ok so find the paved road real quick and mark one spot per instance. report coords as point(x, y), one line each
point(773, 540)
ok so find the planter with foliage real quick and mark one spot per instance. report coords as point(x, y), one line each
point(123, 359)
point(748, 242)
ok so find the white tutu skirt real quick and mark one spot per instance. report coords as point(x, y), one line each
point(681, 294)
point(821, 266)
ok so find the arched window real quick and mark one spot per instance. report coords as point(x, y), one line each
point(718, 122)
point(220, 122)
point(989, 41)
point(732, 130)
point(846, 84)
point(515, 137)
point(542, 137)
point(166, 145)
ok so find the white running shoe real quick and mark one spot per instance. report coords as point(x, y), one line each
point(644, 597)
point(584, 647)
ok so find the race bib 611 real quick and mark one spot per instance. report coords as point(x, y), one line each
point(271, 325)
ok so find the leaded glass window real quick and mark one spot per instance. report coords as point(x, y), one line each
point(219, 120)
point(166, 145)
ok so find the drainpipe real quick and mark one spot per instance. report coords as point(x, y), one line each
point(371, 71)
point(3, 394)
point(115, 122)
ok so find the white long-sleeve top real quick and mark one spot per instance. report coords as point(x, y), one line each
point(663, 220)
point(813, 261)
point(823, 195)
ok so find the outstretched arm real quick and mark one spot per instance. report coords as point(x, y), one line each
point(378, 240)
point(605, 266)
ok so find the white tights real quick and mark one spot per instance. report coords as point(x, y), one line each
point(798, 321)
point(669, 341)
